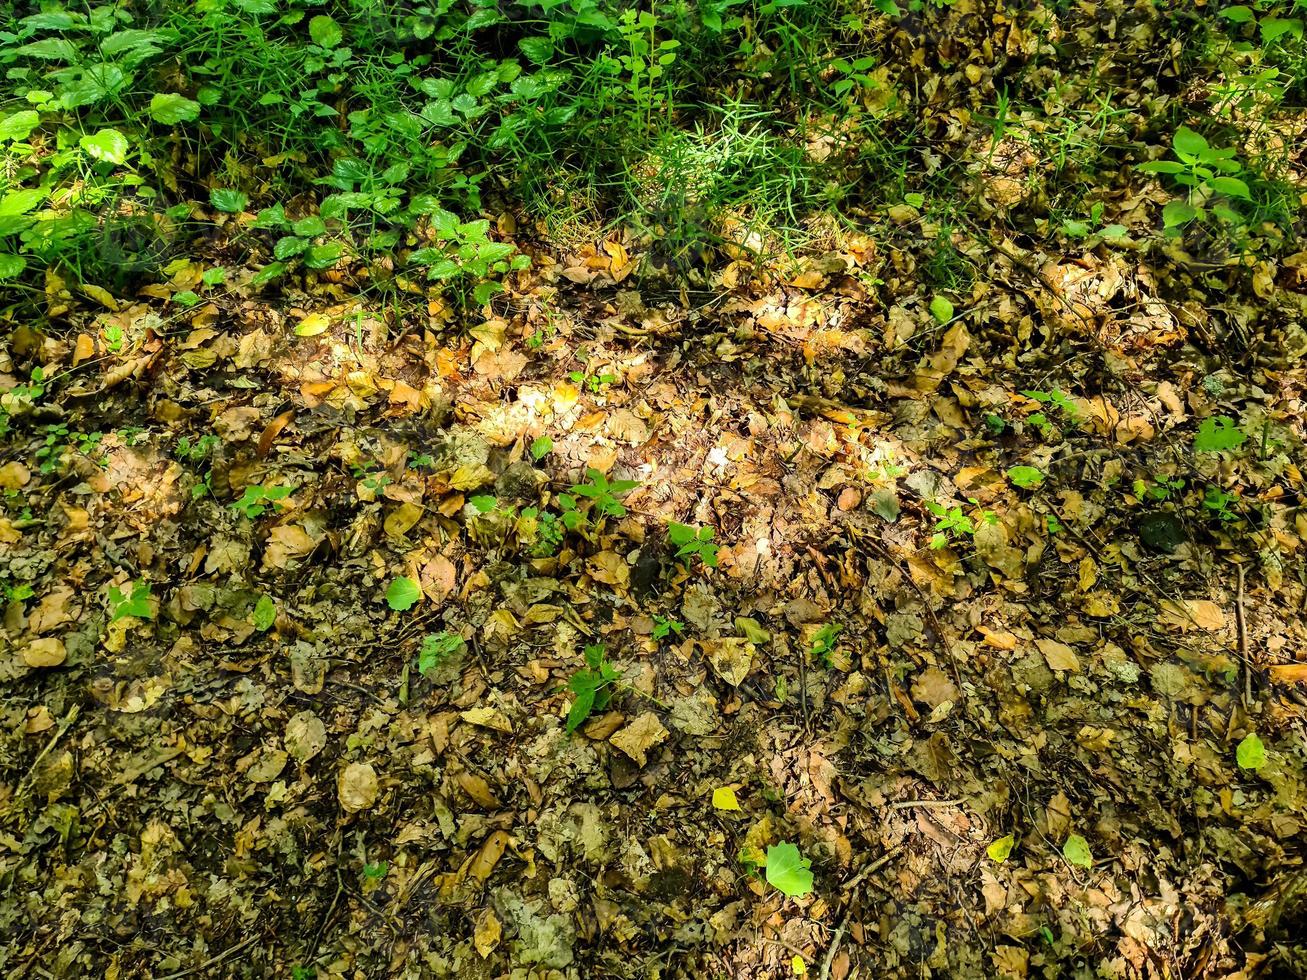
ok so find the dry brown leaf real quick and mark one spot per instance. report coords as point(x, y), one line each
point(1059, 655)
point(357, 787)
point(45, 652)
point(637, 738)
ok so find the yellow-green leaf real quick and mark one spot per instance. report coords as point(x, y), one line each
point(1001, 848)
point(723, 798)
point(312, 325)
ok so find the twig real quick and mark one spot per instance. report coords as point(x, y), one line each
point(212, 960)
point(911, 804)
point(1242, 624)
point(851, 888)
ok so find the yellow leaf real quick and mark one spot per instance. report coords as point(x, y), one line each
point(312, 325)
point(799, 967)
point(1001, 848)
point(723, 798)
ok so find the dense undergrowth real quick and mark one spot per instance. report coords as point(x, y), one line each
point(381, 135)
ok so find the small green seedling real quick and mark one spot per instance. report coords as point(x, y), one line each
point(1220, 504)
point(375, 871)
point(1160, 489)
point(1250, 753)
point(823, 643)
point(951, 523)
point(1054, 399)
point(593, 685)
point(135, 603)
point(265, 613)
point(665, 626)
point(257, 499)
point(1076, 851)
point(437, 650)
point(541, 447)
point(691, 542)
point(602, 494)
point(594, 383)
point(421, 461)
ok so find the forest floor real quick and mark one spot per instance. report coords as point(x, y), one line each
point(563, 635)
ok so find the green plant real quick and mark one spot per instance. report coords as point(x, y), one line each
point(437, 650)
point(665, 626)
point(1161, 488)
point(692, 542)
point(135, 603)
point(951, 523)
point(1218, 434)
point(59, 440)
point(594, 383)
point(265, 613)
point(1026, 477)
point(788, 870)
point(1251, 753)
point(1207, 171)
point(1220, 504)
point(258, 498)
point(592, 685)
point(823, 643)
point(1053, 399)
point(602, 494)
point(541, 447)
point(403, 594)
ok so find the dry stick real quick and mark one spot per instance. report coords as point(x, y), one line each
point(851, 887)
point(1242, 624)
point(211, 961)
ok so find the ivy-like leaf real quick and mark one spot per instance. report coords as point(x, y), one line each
point(788, 870)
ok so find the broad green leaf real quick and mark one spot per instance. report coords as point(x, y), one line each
point(20, 125)
point(788, 870)
point(541, 447)
point(1217, 434)
point(403, 594)
point(1251, 753)
point(1161, 167)
point(1001, 848)
point(269, 272)
point(170, 108)
point(723, 798)
point(1025, 476)
point(135, 603)
point(1178, 213)
point(941, 309)
point(1076, 850)
point(1238, 14)
point(309, 227)
point(1230, 186)
point(108, 145)
point(1274, 28)
point(1187, 141)
point(265, 613)
point(228, 200)
point(11, 265)
point(325, 31)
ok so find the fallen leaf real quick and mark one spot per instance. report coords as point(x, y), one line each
point(1059, 655)
point(637, 738)
point(487, 718)
point(731, 658)
point(312, 325)
point(45, 652)
point(488, 931)
point(357, 787)
point(723, 798)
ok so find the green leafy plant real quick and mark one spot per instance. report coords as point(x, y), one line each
point(665, 626)
point(692, 542)
point(1026, 477)
point(823, 643)
point(1053, 399)
point(437, 650)
point(1076, 851)
point(403, 594)
point(603, 494)
point(788, 871)
point(594, 383)
point(1218, 434)
point(258, 498)
point(541, 447)
point(1221, 504)
point(135, 602)
point(592, 686)
point(1207, 171)
point(951, 523)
